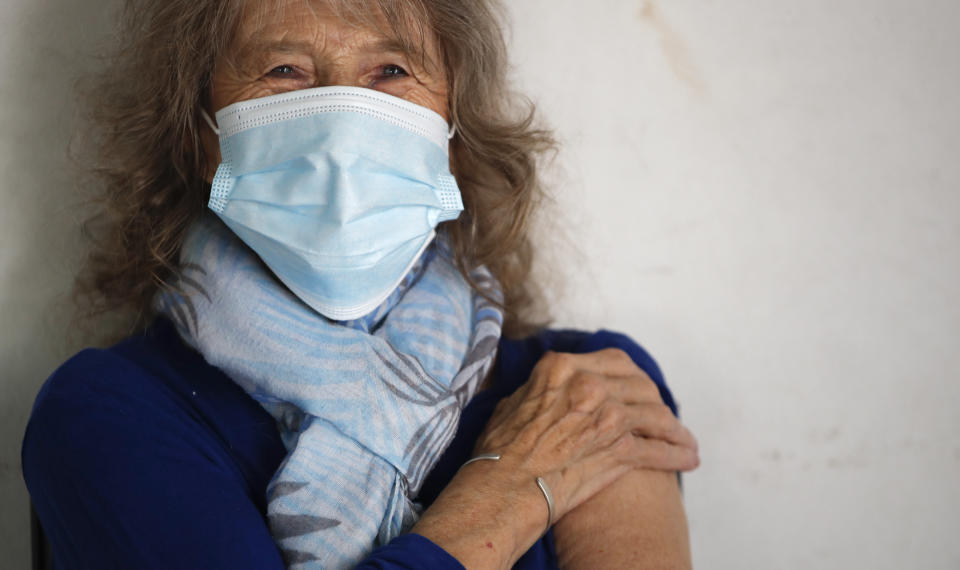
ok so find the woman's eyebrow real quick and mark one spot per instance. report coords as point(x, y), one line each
point(279, 46)
point(387, 44)
point(415, 54)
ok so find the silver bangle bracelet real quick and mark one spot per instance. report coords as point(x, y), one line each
point(483, 457)
point(540, 483)
point(549, 497)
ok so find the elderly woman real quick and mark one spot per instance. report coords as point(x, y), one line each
point(318, 213)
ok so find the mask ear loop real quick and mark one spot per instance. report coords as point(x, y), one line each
point(452, 133)
point(209, 121)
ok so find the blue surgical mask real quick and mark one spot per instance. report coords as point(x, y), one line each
point(337, 189)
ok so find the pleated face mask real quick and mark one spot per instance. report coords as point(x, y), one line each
point(338, 190)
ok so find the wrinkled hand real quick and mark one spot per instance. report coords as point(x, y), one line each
point(582, 421)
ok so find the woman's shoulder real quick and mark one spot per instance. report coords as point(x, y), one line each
point(149, 390)
point(517, 357)
point(87, 404)
point(88, 381)
point(99, 393)
point(96, 377)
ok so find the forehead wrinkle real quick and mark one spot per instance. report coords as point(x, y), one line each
point(399, 23)
point(371, 28)
point(260, 15)
point(359, 40)
point(259, 35)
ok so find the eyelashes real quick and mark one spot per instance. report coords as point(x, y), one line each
point(384, 72)
point(284, 71)
point(392, 70)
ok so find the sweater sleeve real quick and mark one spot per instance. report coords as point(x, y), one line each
point(410, 552)
point(122, 475)
point(125, 473)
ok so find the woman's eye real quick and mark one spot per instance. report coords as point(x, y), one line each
point(282, 71)
point(391, 71)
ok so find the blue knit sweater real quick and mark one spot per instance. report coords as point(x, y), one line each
point(144, 456)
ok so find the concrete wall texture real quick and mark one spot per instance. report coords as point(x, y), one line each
point(764, 194)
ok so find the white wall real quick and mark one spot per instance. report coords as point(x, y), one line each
point(767, 195)
point(764, 194)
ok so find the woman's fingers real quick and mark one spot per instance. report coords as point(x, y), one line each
point(636, 388)
point(590, 474)
point(662, 456)
point(614, 422)
point(612, 377)
point(656, 421)
point(642, 453)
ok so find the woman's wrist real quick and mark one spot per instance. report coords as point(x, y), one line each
point(486, 517)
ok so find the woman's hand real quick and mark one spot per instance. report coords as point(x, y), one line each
point(580, 422)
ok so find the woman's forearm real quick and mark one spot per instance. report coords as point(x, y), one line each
point(638, 522)
point(481, 526)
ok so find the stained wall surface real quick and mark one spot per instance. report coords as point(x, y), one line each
point(764, 194)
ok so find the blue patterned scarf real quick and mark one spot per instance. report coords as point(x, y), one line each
point(364, 407)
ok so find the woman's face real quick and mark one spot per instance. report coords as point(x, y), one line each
point(299, 44)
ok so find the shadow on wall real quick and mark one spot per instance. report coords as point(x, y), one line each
point(46, 47)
